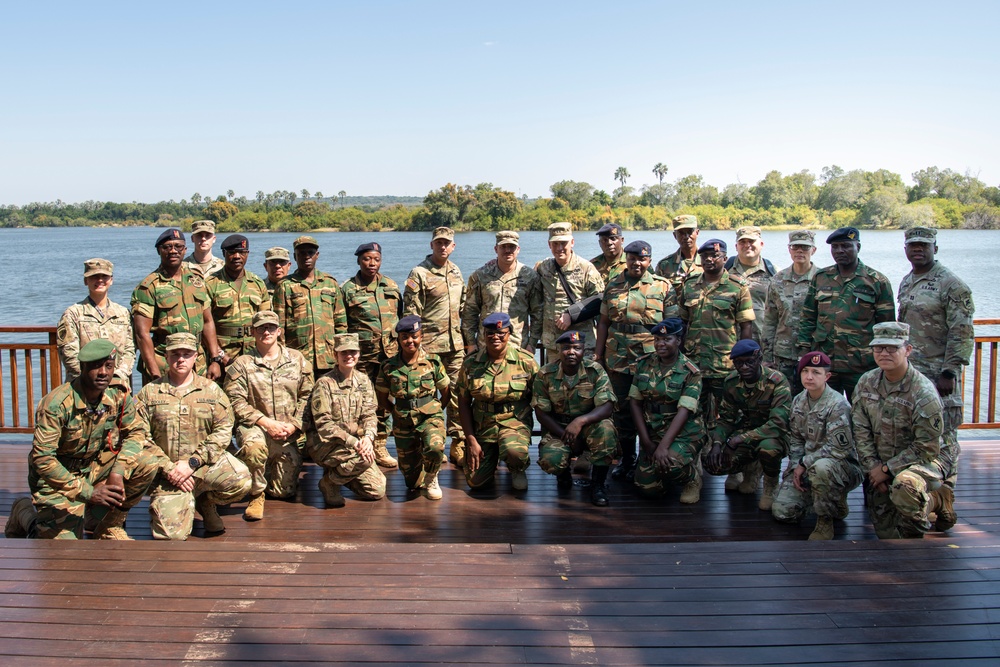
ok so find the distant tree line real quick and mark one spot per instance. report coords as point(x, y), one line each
point(868, 199)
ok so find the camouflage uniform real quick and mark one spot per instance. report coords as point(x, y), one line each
point(234, 303)
point(609, 270)
point(899, 425)
point(517, 293)
point(310, 314)
point(566, 397)
point(938, 307)
point(194, 420)
point(676, 269)
point(758, 279)
point(270, 287)
point(821, 441)
point(340, 413)
point(417, 425)
point(83, 322)
point(838, 316)
point(206, 268)
point(585, 282)
point(779, 335)
point(76, 446)
point(663, 390)
point(278, 390)
point(174, 306)
point(501, 410)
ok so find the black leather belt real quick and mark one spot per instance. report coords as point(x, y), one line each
point(403, 404)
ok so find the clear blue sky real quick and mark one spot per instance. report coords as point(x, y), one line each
point(140, 101)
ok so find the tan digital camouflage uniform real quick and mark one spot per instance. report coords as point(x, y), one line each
point(517, 293)
point(310, 315)
point(585, 281)
point(83, 322)
point(609, 270)
point(780, 331)
point(234, 303)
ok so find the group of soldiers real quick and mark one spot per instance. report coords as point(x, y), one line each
point(705, 364)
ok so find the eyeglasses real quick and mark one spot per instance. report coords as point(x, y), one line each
point(179, 247)
point(497, 334)
point(749, 361)
point(885, 349)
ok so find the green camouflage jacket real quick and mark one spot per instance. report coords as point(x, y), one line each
point(437, 295)
point(630, 305)
point(311, 314)
point(234, 303)
point(372, 313)
point(566, 397)
point(712, 312)
point(758, 411)
point(174, 306)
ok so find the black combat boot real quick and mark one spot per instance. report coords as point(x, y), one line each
point(598, 488)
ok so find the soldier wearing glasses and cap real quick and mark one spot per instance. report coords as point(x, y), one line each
point(611, 262)
point(237, 295)
point(276, 264)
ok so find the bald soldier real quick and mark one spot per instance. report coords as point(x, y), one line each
point(276, 263)
point(237, 295)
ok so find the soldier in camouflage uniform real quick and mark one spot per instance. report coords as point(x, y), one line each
point(94, 318)
point(664, 404)
point(310, 308)
point(504, 285)
point(340, 428)
point(494, 401)
point(276, 264)
point(785, 296)
point(686, 261)
point(573, 401)
point(173, 299)
point(189, 424)
point(237, 295)
point(435, 292)
point(201, 260)
point(938, 306)
point(634, 301)
point(755, 270)
point(269, 388)
point(843, 304)
point(86, 457)
point(752, 431)
point(373, 305)
point(822, 459)
point(412, 379)
point(897, 427)
point(611, 262)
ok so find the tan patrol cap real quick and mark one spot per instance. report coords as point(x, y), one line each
point(346, 342)
point(203, 226)
point(748, 232)
point(560, 231)
point(920, 235)
point(98, 267)
point(277, 253)
point(890, 333)
point(802, 237)
point(508, 238)
point(305, 240)
point(685, 222)
point(182, 341)
point(264, 317)
point(443, 233)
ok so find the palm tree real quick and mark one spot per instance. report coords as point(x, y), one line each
point(342, 194)
point(318, 194)
point(621, 174)
point(196, 199)
point(305, 193)
point(660, 170)
point(230, 194)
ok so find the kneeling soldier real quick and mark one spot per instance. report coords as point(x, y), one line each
point(574, 400)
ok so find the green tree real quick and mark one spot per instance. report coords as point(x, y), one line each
point(196, 199)
point(318, 194)
point(501, 205)
point(601, 198)
point(737, 195)
point(305, 193)
point(656, 195)
point(660, 170)
point(575, 193)
point(622, 175)
point(342, 194)
point(220, 211)
point(230, 194)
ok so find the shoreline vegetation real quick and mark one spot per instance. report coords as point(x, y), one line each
point(865, 199)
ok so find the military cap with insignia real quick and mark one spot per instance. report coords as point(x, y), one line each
point(640, 248)
point(802, 237)
point(672, 326)
point(98, 267)
point(920, 235)
point(844, 234)
point(496, 322)
point(264, 317)
point(169, 235)
point(743, 348)
point(368, 247)
point(609, 229)
point(235, 242)
point(570, 337)
point(714, 245)
point(890, 333)
point(443, 233)
point(346, 342)
point(96, 350)
point(685, 222)
point(181, 341)
point(409, 324)
point(560, 231)
point(203, 226)
point(305, 240)
point(815, 360)
point(508, 237)
point(748, 232)
point(277, 253)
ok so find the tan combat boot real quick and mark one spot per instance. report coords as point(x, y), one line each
point(431, 490)
point(382, 457)
point(945, 508)
point(733, 481)
point(255, 510)
point(22, 517)
point(209, 514)
point(842, 508)
point(770, 488)
point(331, 493)
point(751, 479)
point(823, 529)
point(112, 533)
point(457, 455)
point(692, 490)
point(519, 481)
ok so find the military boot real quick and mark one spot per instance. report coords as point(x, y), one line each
point(431, 490)
point(564, 480)
point(457, 454)
point(842, 509)
point(209, 514)
point(331, 493)
point(770, 488)
point(823, 529)
point(519, 481)
point(945, 510)
point(255, 510)
point(692, 490)
point(22, 518)
point(582, 464)
point(598, 486)
point(733, 481)
point(111, 533)
point(751, 479)
point(382, 457)
point(624, 467)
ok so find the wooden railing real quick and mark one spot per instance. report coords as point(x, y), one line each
point(978, 371)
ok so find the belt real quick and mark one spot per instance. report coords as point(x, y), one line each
point(563, 420)
point(656, 408)
point(500, 408)
point(75, 464)
point(629, 328)
point(234, 332)
point(403, 404)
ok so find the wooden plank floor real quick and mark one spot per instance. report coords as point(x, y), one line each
point(495, 579)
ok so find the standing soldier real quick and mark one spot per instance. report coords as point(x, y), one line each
point(87, 456)
point(754, 269)
point(413, 379)
point(494, 401)
point(633, 302)
point(504, 285)
point(822, 459)
point(373, 306)
point(201, 260)
point(237, 295)
point(844, 303)
point(435, 292)
point(897, 427)
point(190, 424)
point(938, 306)
point(276, 264)
point(573, 400)
point(611, 262)
point(785, 296)
point(173, 299)
point(310, 308)
point(269, 388)
point(686, 261)
point(94, 318)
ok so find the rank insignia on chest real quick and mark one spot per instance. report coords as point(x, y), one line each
point(184, 410)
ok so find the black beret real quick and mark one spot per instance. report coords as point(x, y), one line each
point(609, 229)
point(714, 245)
point(844, 234)
point(169, 235)
point(640, 248)
point(235, 242)
point(671, 326)
point(368, 247)
point(408, 324)
point(569, 337)
point(496, 322)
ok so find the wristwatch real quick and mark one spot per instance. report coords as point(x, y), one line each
point(886, 470)
point(194, 463)
point(217, 359)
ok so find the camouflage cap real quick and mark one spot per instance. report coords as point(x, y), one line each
point(265, 317)
point(560, 231)
point(182, 341)
point(845, 234)
point(890, 333)
point(802, 237)
point(570, 337)
point(814, 359)
point(169, 235)
point(508, 238)
point(96, 350)
point(305, 240)
point(203, 226)
point(277, 253)
point(748, 232)
point(672, 326)
point(443, 233)
point(640, 248)
point(685, 222)
point(920, 235)
point(98, 267)
point(346, 342)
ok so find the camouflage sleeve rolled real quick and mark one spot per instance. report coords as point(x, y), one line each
point(143, 302)
point(776, 426)
point(49, 419)
point(306, 384)
point(864, 434)
point(540, 393)
point(131, 433)
point(329, 430)
point(769, 328)
point(839, 441)
point(959, 309)
point(471, 310)
point(691, 396)
point(237, 388)
point(214, 446)
point(744, 308)
point(441, 379)
point(927, 429)
point(807, 325)
point(413, 294)
point(536, 303)
point(68, 340)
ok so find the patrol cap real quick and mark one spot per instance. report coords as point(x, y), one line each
point(182, 341)
point(443, 233)
point(368, 247)
point(802, 237)
point(672, 326)
point(815, 360)
point(98, 267)
point(685, 222)
point(235, 242)
point(743, 348)
point(570, 337)
point(277, 253)
point(714, 245)
point(890, 333)
point(496, 322)
point(748, 232)
point(305, 240)
point(96, 350)
point(264, 317)
point(169, 235)
point(560, 231)
point(508, 238)
point(845, 234)
point(640, 248)
point(203, 226)
point(920, 235)
point(609, 229)
point(409, 324)
point(346, 342)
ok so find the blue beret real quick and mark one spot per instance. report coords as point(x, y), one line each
point(640, 248)
point(844, 234)
point(235, 242)
point(609, 229)
point(714, 245)
point(169, 235)
point(408, 324)
point(671, 326)
point(743, 348)
point(96, 350)
point(368, 247)
point(496, 322)
point(570, 337)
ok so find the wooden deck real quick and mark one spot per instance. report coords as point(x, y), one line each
point(501, 579)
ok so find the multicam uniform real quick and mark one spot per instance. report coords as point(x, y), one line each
point(785, 296)
point(234, 303)
point(310, 314)
point(584, 281)
point(206, 268)
point(83, 322)
point(609, 270)
point(758, 279)
point(517, 293)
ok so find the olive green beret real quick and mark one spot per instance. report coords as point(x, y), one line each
point(96, 350)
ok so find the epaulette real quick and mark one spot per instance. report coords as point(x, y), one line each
point(691, 367)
